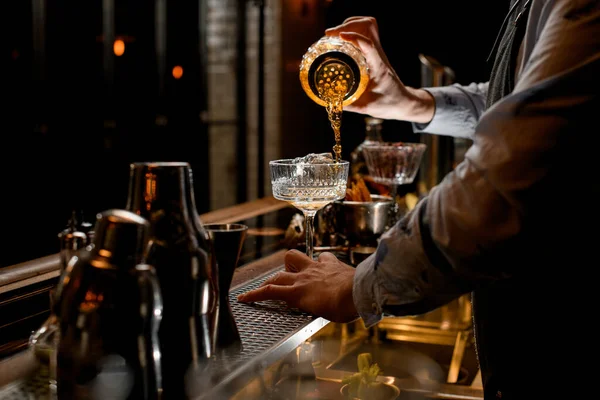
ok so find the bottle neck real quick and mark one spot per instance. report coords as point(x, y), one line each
point(373, 133)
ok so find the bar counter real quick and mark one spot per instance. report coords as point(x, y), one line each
point(287, 354)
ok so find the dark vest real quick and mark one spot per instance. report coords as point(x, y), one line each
point(502, 80)
point(493, 307)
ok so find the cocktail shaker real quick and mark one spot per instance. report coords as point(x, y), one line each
point(109, 309)
point(181, 251)
point(330, 65)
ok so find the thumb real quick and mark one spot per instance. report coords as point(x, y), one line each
point(296, 261)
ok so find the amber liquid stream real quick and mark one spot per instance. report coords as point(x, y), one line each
point(333, 81)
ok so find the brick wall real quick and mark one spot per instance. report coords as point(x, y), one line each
point(294, 124)
point(222, 34)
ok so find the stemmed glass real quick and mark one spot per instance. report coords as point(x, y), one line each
point(309, 184)
point(393, 164)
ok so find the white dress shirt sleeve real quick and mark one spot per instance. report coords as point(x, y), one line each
point(457, 110)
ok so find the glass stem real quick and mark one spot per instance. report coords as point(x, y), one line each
point(309, 223)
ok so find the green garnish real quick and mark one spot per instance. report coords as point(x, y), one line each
point(363, 384)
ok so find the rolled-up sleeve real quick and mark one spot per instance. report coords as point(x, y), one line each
point(471, 227)
point(457, 110)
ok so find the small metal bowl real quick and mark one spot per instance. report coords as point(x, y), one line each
point(363, 222)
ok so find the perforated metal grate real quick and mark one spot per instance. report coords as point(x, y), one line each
point(261, 326)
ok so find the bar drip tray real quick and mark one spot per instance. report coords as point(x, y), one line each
point(263, 325)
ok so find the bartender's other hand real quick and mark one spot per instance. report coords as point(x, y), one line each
point(322, 288)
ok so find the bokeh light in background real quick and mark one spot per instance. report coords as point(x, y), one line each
point(119, 47)
point(177, 72)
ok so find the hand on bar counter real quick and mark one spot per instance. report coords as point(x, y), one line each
point(322, 287)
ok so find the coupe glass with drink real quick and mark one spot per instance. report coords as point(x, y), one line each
point(309, 183)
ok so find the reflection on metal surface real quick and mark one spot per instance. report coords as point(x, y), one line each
point(449, 325)
point(150, 189)
point(266, 231)
point(316, 368)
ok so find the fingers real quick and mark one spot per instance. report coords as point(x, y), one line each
point(281, 279)
point(365, 44)
point(327, 257)
point(354, 24)
point(358, 18)
point(268, 292)
point(296, 261)
point(351, 23)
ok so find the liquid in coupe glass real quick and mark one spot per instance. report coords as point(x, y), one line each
point(309, 183)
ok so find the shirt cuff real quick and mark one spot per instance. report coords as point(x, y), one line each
point(437, 122)
point(363, 292)
point(455, 113)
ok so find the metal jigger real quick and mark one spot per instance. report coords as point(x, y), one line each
point(227, 240)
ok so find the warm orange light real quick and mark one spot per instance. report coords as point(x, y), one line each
point(119, 47)
point(177, 72)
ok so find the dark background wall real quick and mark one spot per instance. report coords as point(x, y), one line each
point(75, 115)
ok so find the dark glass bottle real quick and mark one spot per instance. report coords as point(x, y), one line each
point(181, 251)
point(109, 309)
point(359, 170)
point(372, 135)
